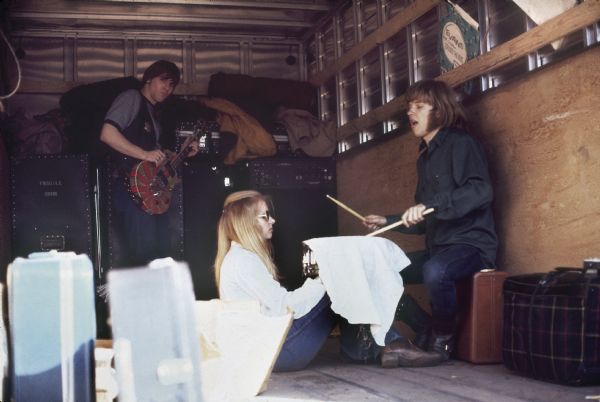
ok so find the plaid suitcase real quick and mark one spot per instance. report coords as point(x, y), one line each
point(552, 325)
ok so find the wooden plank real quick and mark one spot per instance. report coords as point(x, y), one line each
point(330, 379)
point(560, 26)
point(395, 24)
point(571, 20)
point(372, 117)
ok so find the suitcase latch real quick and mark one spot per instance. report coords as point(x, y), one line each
point(174, 371)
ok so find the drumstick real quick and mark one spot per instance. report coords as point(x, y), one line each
point(395, 224)
point(347, 208)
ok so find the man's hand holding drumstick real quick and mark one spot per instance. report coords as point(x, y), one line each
point(411, 216)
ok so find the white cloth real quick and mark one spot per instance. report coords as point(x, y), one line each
point(361, 276)
point(245, 277)
point(305, 131)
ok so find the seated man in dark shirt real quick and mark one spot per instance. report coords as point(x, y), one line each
point(453, 180)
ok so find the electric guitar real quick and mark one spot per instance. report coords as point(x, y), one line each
point(152, 185)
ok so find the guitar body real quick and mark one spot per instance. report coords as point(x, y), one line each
point(152, 185)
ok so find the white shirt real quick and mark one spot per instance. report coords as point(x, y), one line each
point(245, 277)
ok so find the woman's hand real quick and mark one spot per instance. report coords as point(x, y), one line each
point(374, 222)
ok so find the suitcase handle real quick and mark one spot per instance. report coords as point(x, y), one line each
point(588, 268)
point(551, 277)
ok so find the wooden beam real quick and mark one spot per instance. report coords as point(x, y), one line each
point(576, 18)
point(380, 35)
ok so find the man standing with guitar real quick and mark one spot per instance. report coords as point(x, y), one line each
point(132, 130)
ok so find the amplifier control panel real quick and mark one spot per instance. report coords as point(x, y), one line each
point(291, 173)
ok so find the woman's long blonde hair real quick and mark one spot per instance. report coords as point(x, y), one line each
point(238, 223)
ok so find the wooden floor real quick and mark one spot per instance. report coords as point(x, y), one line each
point(328, 379)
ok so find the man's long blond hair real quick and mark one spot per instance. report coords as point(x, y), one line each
point(448, 111)
point(238, 223)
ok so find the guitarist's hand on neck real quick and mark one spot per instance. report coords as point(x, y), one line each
point(156, 156)
point(194, 148)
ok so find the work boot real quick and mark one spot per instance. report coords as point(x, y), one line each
point(403, 353)
point(442, 344)
point(443, 335)
point(410, 312)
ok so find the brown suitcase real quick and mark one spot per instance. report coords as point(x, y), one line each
point(480, 329)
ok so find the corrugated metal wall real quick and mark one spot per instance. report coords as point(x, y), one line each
point(84, 59)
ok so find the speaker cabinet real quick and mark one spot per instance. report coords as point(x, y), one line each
point(206, 183)
point(51, 204)
point(297, 187)
point(113, 252)
point(113, 248)
point(300, 214)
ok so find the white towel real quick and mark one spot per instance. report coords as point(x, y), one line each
point(361, 276)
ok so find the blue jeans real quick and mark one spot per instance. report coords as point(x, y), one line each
point(440, 271)
point(308, 334)
point(145, 237)
point(306, 337)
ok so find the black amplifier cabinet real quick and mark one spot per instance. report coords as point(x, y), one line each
point(113, 250)
point(206, 183)
point(207, 131)
point(51, 204)
point(5, 214)
point(298, 187)
point(287, 173)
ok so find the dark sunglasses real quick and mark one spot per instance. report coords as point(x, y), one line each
point(266, 216)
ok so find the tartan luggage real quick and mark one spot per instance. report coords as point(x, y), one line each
point(552, 325)
point(52, 327)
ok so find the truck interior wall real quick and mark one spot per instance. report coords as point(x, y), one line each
point(541, 134)
point(51, 61)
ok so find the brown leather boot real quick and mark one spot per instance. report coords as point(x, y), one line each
point(403, 353)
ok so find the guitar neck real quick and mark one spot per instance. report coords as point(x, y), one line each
point(199, 130)
point(176, 161)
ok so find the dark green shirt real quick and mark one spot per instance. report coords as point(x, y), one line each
point(454, 180)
